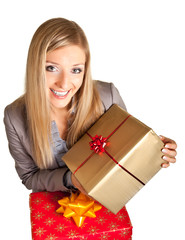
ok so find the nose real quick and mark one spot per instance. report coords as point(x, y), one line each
point(63, 81)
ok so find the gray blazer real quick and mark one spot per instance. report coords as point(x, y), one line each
point(58, 177)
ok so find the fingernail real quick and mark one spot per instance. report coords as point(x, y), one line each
point(164, 150)
point(164, 157)
point(167, 146)
point(164, 165)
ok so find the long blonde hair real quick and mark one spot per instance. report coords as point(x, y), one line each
point(86, 107)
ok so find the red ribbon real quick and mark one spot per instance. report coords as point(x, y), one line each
point(97, 145)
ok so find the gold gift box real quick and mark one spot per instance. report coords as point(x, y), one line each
point(130, 158)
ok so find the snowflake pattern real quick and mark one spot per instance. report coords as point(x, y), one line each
point(92, 230)
point(72, 234)
point(124, 233)
point(113, 226)
point(49, 221)
point(38, 215)
point(108, 212)
point(48, 206)
point(39, 231)
point(120, 217)
point(101, 220)
point(38, 201)
point(104, 236)
point(60, 227)
point(51, 237)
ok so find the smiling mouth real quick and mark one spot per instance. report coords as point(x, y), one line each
point(59, 94)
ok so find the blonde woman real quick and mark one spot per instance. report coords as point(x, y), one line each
point(59, 104)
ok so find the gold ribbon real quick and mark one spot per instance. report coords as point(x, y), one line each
point(78, 207)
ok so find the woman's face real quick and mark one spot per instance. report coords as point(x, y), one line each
point(65, 69)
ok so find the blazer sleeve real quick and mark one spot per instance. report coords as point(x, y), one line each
point(109, 95)
point(116, 97)
point(32, 177)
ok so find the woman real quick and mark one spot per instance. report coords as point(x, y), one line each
point(60, 103)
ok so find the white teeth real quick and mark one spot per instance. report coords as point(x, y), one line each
point(60, 94)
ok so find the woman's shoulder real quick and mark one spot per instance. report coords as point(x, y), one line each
point(104, 87)
point(109, 94)
point(15, 112)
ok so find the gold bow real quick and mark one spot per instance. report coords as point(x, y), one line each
point(78, 207)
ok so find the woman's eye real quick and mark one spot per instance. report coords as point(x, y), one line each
point(76, 70)
point(51, 69)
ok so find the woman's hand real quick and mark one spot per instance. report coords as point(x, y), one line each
point(77, 184)
point(169, 151)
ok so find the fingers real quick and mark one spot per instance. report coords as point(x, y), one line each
point(169, 151)
point(169, 159)
point(169, 143)
point(165, 165)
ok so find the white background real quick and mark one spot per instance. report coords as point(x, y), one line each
point(140, 47)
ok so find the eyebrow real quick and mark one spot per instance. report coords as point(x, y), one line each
point(52, 63)
point(77, 64)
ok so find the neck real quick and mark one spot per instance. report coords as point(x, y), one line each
point(59, 113)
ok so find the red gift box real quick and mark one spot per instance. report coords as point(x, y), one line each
point(49, 225)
